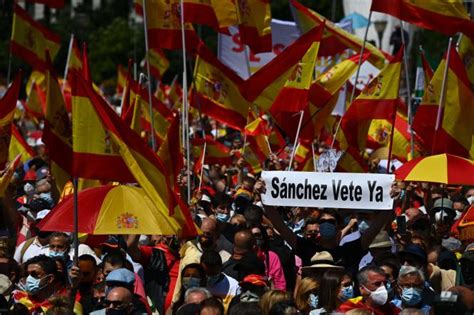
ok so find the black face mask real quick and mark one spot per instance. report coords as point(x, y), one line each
point(116, 312)
point(85, 286)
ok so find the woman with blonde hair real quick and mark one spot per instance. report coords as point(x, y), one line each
point(306, 295)
point(272, 297)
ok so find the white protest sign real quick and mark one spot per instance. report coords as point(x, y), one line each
point(328, 190)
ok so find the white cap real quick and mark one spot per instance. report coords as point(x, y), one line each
point(205, 198)
point(40, 215)
point(39, 142)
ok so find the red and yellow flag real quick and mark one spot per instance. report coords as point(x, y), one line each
point(456, 129)
point(263, 86)
point(35, 104)
point(218, 14)
point(304, 157)
point(158, 63)
point(254, 24)
point(335, 39)
point(171, 153)
point(257, 126)
point(378, 100)
point(18, 145)
point(216, 152)
point(147, 168)
point(216, 91)
point(466, 52)
point(30, 40)
point(164, 26)
point(7, 112)
point(75, 60)
point(8, 174)
point(447, 17)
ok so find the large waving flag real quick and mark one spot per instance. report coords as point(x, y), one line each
point(335, 39)
point(254, 24)
point(447, 17)
point(146, 167)
point(7, 112)
point(30, 40)
point(378, 100)
point(158, 63)
point(466, 51)
point(94, 154)
point(216, 91)
point(164, 26)
point(18, 145)
point(456, 129)
point(263, 86)
point(171, 153)
point(217, 14)
point(216, 152)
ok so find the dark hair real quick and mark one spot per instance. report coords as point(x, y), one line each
point(115, 258)
point(246, 308)
point(211, 258)
point(214, 303)
point(46, 263)
point(222, 199)
point(460, 199)
point(61, 276)
point(310, 221)
point(253, 215)
point(329, 289)
point(391, 260)
point(332, 212)
point(281, 308)
point(199, 268)
point(89, 258)
point(249, 179)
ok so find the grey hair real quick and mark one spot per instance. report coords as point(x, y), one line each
point(411, 311)
point(196, 290)
point(409, 271)
point(362, 276)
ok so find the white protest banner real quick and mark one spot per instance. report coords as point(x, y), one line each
point(328, 190)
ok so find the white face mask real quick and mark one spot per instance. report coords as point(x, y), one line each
point(458, 215)
point(379, 296)
point(470, 199)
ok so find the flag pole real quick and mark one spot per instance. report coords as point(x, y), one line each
point(356, 77)
point(147, 58)
point(296, 140)
point(442, 96)
point(185, 101)
point(390, 147)
point(76, 222)
point(202, 164)
point(410, 109)
point(68, 59)
point(314, 156)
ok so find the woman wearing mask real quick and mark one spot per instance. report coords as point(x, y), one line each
point(192, 276)
point(273, 268)
point(336, 288)
point(306, 295)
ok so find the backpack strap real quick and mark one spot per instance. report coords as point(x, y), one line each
point(25, 247)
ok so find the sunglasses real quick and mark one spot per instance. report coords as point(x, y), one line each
point(115, 304)
point(332, 221)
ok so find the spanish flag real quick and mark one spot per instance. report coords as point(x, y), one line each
point(7, 111)
point(158, 63)
point(8, 174)
point(30, 40)
point(218, 14)
point(257, 126)
point(304, 157)
point(216, 91)
point(263, 86)
point(147, 168)
point(94, 154)
point(171, 153)
point(164, 26)
point(257, 148)
point(378, 100)
point(447, 17)
point(216, 152)
point(335, 39)
point(456, 129)
point(121, 78)
point(75, 60)
point(18, 145)
point(466, 52)
point(254, 24)
point(35, 104)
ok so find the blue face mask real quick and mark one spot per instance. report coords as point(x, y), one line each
point(32, 285)
point(412, 296)
point(347, 293)
point(313, 301)
point(191, 282)
point(54, 254)
point(222, 217)
point(327, 230)
point(362, 226)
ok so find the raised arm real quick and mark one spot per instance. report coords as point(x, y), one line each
point(275, 218)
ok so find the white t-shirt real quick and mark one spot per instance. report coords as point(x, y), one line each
point(225, 289)
point(33, 250)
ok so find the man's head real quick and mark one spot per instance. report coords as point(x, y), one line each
point(412, 213)
point(329, 224)
point(41, 273)
point(311, 228)
point(211, 262)
point(59, 244)
point(244, 242)
point(209, 234)
point(196, 295)
point(211, 306)
point(113, 260)
point(248, 183)
point(120, 278)
point(411, 282)
point(88, 268)
point(414, 255)
point(119, 301)
point(372, 285)
point(253, 215)
point(221, 207)
point(460, 204)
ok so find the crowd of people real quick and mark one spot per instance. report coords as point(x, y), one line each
point(248, 259)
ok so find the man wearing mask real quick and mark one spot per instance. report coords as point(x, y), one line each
point(374, 295)
point(412, 291)
point(83, 278)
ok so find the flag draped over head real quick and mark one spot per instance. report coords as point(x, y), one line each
point(216, 152)
point(263, 86)
point(30, 40)
point(378, 100)
point(216, 91)
point(454, 135)
point(7, 112)
point(18, 145)
point(94, 154)
point(158, 63)
point(447, 17)
point(217, 14)
point(254, 24)
point(164, 26)
point(146, 167)
point(335, 39)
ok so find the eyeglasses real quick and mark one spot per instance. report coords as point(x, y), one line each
point(115, 304)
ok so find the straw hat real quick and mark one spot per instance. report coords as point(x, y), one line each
point(381, 240)
point(322, 260)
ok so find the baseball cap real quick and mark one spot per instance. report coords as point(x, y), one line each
point(121, 275)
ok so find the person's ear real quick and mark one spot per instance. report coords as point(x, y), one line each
point(363, 291)
point(51, 278)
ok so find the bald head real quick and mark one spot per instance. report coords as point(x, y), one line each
point(244, 242)
point(209, 226)
point(120, 297)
